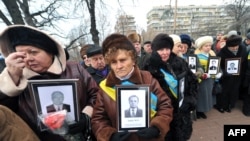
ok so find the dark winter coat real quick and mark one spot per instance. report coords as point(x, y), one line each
point(231, 83)
point(181, 126)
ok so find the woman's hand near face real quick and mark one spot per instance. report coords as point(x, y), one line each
point(15, 64)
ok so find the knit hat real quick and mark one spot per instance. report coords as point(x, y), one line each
point(22, 35)
point(176, 38)
point(232, 32)
point(203, 40)
point(185, 39)
point(162, 40)
point(233, 40)
point(134, 37)
point(93, 50)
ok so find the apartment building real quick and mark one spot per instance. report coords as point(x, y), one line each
point(125, 24)
point(193, 20)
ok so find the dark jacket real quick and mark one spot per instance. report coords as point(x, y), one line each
point(104, 120)
point(179, 66)
point(181, 125)
point(141, 60)
point(51, 108)
point(98, 77)
point(137, 114)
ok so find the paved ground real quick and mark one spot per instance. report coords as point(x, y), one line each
point(211, 129)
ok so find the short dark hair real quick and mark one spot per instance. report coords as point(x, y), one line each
point(147, 42)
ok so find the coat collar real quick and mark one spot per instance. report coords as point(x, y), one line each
point(135, 78)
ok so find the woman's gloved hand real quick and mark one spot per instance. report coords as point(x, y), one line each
point(119, 136)
point(148, 133)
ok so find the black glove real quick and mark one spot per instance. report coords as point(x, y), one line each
point(119, 136)
point(79, 126)
point(149, 133)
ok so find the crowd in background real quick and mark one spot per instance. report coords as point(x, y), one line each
point(125, 60)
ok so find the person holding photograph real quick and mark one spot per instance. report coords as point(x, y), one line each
point(168, 68)
point(206, 100)
point(133, 110)
point(232, 50)
point(120, 55)
point(32, 54)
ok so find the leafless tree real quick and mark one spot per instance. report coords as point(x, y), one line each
point(239, 9)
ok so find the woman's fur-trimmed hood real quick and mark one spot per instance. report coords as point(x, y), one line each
point(6, 47)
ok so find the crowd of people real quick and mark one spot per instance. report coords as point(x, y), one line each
point(175, 68)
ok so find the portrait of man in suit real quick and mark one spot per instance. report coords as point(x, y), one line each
point(57, 98)
point(192, 63)
point(232, 67)
point(213, 65)
point(133, 110)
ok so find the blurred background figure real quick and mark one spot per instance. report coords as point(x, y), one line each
point(85, 62)
point(142, 56)
point(97, 68)
point(147, 47)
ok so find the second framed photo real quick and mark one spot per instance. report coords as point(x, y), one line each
point(192, 59)
point(55, 95)
point(233, 66)
point(213, 65)
point(133, 107)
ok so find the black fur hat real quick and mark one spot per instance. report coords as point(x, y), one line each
point(26, 36)
point(162, 40)
point(233, 40)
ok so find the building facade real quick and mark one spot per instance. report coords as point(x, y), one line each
point(193, 20)
point(125, 24)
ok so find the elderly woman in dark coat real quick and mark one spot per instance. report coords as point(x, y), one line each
point(168, 68)
point(231, 83)
point(120, 54)
point(31, 54)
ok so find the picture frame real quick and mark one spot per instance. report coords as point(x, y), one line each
point(129, 97)
point(181, 87)
point(213, 65)
point(233, 66)
point(42, 92)
point(192, 59)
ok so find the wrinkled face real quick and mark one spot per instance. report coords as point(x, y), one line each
point(36, 59)
point(164, 53)
point(137, 46)
point(147, 48)
point(97, 61)
point(177, 48)
point(206, 47)
point(122, 63)
point(133, 102)
point(234, 48)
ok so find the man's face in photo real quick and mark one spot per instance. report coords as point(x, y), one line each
point(133, 102)
point(57, 98)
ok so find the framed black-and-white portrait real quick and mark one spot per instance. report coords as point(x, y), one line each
point(233, 66)
point(133, 107)
point(213, 65)
point(55, 95)
point(192, 59)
